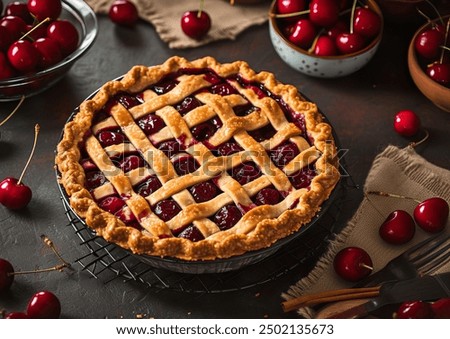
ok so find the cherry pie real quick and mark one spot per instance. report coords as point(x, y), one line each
point(197, 160)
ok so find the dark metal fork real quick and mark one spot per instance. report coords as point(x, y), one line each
point(424, 258)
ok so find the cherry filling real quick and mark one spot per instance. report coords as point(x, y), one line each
point(245, 172)
point(185, 164)
point(165, 85)
point(243, 110)
point(223, 89)
point(191, 233)
point(204, 191)
point(170, 147)
point(109, 138)
point(95, 179)
point(88, 165)
point(128, 100)
point(283, 154)
point(131, 162)
point(148, 186)
point(267, 196)
point(263, 133)
point(151, 124)
point(111, 204)
point(302, 178)
point(187, 105)
point(228, 148)
point(227, 217)
point(166, 209)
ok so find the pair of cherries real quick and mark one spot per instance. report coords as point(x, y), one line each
point(433, 51)
point(319, 29)
point(42, 305)
point(33, 37)
point(417, 309)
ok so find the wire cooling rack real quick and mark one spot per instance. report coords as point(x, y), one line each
point(108, 262)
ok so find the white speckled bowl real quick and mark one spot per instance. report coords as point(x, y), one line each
point(322, 66)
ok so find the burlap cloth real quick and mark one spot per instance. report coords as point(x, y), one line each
point(399, 171)
point(226, 21)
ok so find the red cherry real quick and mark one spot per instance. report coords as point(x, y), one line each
point(324, 13)
point(14, 195)
point(43, 9)
point(366, 22)
point(15, 26)
point(441, 308)
point(325, 46)
point(427, 44)
point(398, 228)
point(414, 310)
point(49, 52)
point(123, 12)
point(348, 43)
point(303, 34)
point(112, 204)
point(6, 275)
point(23, 56)
point(20, 9)
point(406, 123)
point(439, 72)
point(195, 24)
point(16, 315)
point(65, 34)
point(6, 70)
point(192, 233)
point(38, 31)
point(340, 27)
point(290, 6)
point(352, 264)
point(432, 214)
point(44, 305)
point(5, 38)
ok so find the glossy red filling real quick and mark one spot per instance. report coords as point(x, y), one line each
point(228, 215)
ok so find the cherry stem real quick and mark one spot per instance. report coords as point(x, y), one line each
point(444, 48)
point(59, 267)
point(417, 143)
point(366, 266)
point(352, 15)
point(436, 10)
point(34, 28)
point(50, 244)
point(288, 15)
point(392, 195)
point(36, 133)
point(200, 9)
point(14, 110)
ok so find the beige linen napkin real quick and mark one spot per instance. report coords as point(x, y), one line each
point(227, 21)
point(399, 171)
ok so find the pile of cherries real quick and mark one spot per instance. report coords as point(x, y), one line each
point(42, 305)
point(33, 37)
point(432, 47)
point(327, 27)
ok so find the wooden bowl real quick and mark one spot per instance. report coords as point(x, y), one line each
point(437, 93)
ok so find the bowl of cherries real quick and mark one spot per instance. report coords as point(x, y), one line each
point(325, 38)
point(40, 40)
point(429, 61)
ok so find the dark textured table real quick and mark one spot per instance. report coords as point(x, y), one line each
point(361, 108)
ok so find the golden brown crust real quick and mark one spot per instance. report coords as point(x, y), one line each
point(261, 226)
